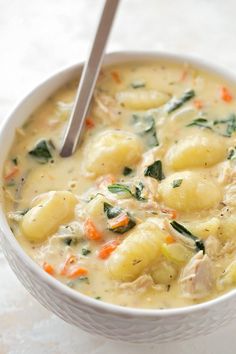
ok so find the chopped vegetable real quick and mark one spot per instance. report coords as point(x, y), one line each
point(89, 122)
point(15, 161)
point(122, 188)
point(232, 154)
point(111, 211)
point(77, 272)
point(199, 244)
point(155, 171)
point(70, 241)
point(225, 94)
point(106, 249)
point(170, 239)
point(127, 171)
point(229, 125)
point(138, 191)
point(171, 212)
point(48, 268)
point(116, 77)
point(85, 251)
point(198, 104)
point(200, 122)
point(177, 182)
point(138, 84)
point(91, 232)
point(146, 127)
point(176, 103)
point(13, 172)
point(41, 152)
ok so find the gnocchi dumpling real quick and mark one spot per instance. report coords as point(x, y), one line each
point(227, 228)
point(136, 252)
point(189, 191)
point(142, 99)
point(110, 151)
point(201, 150)
point(204, 229)
point(44, 218)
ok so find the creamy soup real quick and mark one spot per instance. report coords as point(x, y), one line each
point(144, 213)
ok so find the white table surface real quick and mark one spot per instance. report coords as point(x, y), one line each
point(39, 37)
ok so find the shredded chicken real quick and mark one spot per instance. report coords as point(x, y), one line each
point(107, 107)
point(197, 277)
point(140, 285)
point(212, 247)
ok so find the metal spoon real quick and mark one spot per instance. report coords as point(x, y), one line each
point(88, 80)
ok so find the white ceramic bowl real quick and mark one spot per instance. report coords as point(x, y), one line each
point(111, 321)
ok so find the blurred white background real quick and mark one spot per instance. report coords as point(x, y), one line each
point(40, 37)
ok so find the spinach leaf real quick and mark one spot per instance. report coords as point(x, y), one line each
point(176, 103)
point(200, 122)
point(199, 244)
point(177, 182)
point(119, 188)
point(138, 84)
point(155, 171)
point(127, 171)
point(111, 211)
point(15, 161)
point(232, 154)
point(85, 251)
point(138, 191)
point(230, 124)
point(146, 128)
point(41, 152)
point(70, 241)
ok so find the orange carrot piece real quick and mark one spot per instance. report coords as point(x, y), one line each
point(91, 231)
point(170, 239)
point(225, 94)
point(89, 122)
point(12, 173)
point(120, 220)
point(78, 272)
point(107, 249)
point(48, 268)
point(116, 77)
point(70, 260)
point(198, 104)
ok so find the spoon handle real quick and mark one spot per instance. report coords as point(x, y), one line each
point(88, 80)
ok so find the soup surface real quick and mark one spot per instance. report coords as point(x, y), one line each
point(144, 213)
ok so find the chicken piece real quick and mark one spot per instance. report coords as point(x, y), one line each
point(197, 277)
point(140, 285)
point(107, 108)
point(212, 247)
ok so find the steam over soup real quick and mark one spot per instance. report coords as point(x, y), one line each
point(144, 213)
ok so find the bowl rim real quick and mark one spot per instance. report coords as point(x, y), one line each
point(76, 296)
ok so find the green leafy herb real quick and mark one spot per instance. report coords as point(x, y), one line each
point(199, 244)
point(111, 211)
point(41, 152)
point(138, 84)
point(73, 283)
point(127, 171)
point(85, 251)
point(98, 297)
point(145, 126)
point(155, 171)
point(177, 182)
point(200, 122)
point(70, 241)
point(138, 191)
point(232, 154)
point(119, 188)
point(230, 124)
point(15, 161)
point(176, 103)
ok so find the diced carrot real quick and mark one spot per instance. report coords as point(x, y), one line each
point(172, 213)
point(170, 239)
point(48, 268)
point(198, 104)
point(13, 172)
point(108, 248)
point(78, 272)
point(226, 95)
point(91, 231)
point(106, 180)
point(69, 261)
point(89, 122)
point(116, 77)
point(120, 220)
